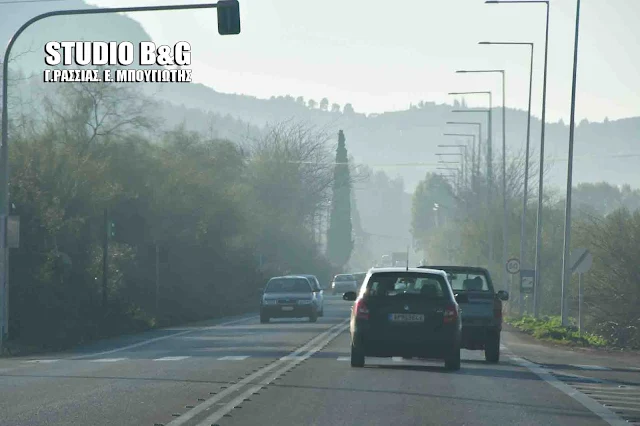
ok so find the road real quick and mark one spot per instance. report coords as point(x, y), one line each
point(237, 372)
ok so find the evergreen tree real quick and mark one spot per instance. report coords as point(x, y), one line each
point(339, 235)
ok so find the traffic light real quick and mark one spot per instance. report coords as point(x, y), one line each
point(112, 229)
point(228, 17)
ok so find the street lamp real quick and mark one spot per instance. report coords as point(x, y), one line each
point(489, 173)
point(471, 123)
point(523, 220)
point(464, 154)
point(536, 287)
point(228, 24)
point(566, 267)
point(505, 226)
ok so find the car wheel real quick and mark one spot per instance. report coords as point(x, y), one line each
point(492, 348)
point(264, 319)
point(357, 356)
point(313, 317)
point(452, 362)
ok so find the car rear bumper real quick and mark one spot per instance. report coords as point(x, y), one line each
point(438, 346)
point(344, 288)
point(297, 311)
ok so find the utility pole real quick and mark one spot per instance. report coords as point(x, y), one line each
point(105, 258)
point(157, 278)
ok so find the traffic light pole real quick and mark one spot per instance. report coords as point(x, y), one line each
point(105, 259)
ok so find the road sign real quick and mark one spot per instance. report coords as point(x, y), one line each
point(581, 261)
point(527, 280)
point(513, 266)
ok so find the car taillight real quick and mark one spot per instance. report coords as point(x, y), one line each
point(497, 309)
point(362, 312)
point(450, 314)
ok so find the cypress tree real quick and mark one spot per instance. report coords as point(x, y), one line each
point(339, 238)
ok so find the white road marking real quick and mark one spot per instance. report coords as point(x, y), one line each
point(184, 418)
point(213, 418)
point(289, 358)
point(172, 358)
point(396, 359)
point(344, 358)
point(108, 360)
point(42, 361)
point(158, 339)
point(590, 367)
point(234, 358)
point(592, 405)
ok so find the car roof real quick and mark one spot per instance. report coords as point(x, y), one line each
point(420, 270)
point(289, 277)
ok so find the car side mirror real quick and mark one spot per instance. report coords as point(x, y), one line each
point(462, 298)
point(350, 296)
point(503, 295)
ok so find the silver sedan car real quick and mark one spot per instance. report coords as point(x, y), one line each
point(344, 282)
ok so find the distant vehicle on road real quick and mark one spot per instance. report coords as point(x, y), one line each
point(385, 261)
point(481, 308)
point(342, 283)
point(359, 276)
point(399, 258)
point(318, 290)
point(289, 297)
point(405, 312)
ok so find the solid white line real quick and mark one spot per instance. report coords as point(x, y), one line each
point(247, 380)
point(234, 358)
point(344, 358)
point(592, 405)
point(213, 418)
point(107, 360)
point(172, 358)
point(397, 359)
point(289, 358)
point(590, 367)
point(158, 339)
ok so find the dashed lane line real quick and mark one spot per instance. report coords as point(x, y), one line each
point(182, 419)
point(172, 358)
point(233, 358)
point(108, 360)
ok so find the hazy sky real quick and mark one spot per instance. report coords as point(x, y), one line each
point(383, 55)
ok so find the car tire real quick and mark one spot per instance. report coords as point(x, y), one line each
point(264, 319)
point(357, 356)
point(452, 362)
point(492, 348)
point(313, 317)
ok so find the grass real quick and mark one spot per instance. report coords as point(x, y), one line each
point(551, 329)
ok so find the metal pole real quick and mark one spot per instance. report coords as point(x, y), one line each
point(526, 170)
point(505, 225)
point(105, 259)
point(157, 281)
point(580, 303)
point(566, 267)
point(490, 177)
point(4, 148)
point(536, 287)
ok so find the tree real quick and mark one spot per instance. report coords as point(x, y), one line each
point(312, 104)
point(339, 235)
point(348, 109)
point(324, 104)
point(300, 100)
point(335, 108)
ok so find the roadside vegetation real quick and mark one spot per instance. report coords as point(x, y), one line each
point(195, 224)
point(551, 329)
point(452, 223)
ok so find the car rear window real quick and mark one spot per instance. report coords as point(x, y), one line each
point(344, 278)
point(468, 281)
point(288, 285)
point(394, 284)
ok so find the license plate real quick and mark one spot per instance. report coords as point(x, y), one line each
point(406, 317)
point(287, 308)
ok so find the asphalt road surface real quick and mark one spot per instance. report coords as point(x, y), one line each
point(237, 372)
